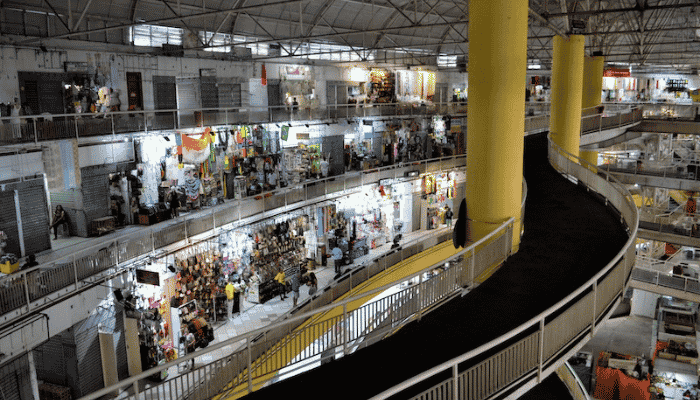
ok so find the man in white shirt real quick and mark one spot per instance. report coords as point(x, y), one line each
point(337, 258)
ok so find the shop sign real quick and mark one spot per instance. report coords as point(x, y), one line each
point(147, 277)
point(617, 72)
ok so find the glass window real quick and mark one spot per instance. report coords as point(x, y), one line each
point(154, 35)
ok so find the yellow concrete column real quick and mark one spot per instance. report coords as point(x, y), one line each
point(592, 88)
point(590, 155)
point(496, 109)
point(592, 81)
point(567, 83)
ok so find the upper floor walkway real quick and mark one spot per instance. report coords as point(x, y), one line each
point(520, 324)
point(604, 299)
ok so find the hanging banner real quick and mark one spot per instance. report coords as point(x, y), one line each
point(198, 144)
point(284, 134)
point(617, 72)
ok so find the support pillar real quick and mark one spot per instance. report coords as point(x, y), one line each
point(567, 84)
point(495, 140)
point(591, 97)
point(33, 381)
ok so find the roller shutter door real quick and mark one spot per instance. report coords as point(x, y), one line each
point(164, 93)
point(14, 377)
point(164, 98)
point(210, 93)
point(35, 219)
point(8, 221)
point(95, 184)
point(88, 348)
point(188, 100)
point(229, 94)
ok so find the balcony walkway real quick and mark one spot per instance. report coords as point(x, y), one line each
point(557, 255)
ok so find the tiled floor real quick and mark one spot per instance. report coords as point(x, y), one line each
point(254, 316)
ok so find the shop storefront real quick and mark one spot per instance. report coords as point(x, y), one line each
point(298, 87)
point(415, 86)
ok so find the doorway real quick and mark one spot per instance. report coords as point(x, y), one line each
point(133, 87)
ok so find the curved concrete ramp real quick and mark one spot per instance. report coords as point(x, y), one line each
point(569, 236)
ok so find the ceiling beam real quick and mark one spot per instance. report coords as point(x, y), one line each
point(58, 16)
point(623, 10)
point(547, 22)
point(161, 21)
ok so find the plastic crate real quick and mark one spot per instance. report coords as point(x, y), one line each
point(8, 268)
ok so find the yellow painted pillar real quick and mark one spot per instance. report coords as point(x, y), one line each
point(592, 91)
point(592, 81)
point(590, 155)
point(495, 141)
point(567, 83)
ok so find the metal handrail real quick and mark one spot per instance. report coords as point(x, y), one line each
point(572, 382)
point(464, 277)
point(604, 282)
point(473, 249)
point(70, 273)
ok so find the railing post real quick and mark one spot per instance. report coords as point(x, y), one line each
point(36, 136)
point(250, 366)
point(75, 272)
point(541, 352)
point(455, 377)
point(345, 329)
point(595, 305)
point(75, 122)
point(420, 297)
point(26, 291)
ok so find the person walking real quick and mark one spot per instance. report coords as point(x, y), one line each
point(337, 258)
point(296, 282)
point(312, 283)
point(448, 216)
point(174, 201)
point(280, 278)
point(230, 296)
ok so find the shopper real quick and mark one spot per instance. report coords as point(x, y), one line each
point(296, 282)
point(31, 262)
point(337, 258)
point(230, 293)
point(190, 345)
point(281, 279)
point(59, 218)
point(448, 216)
point(312, 283)
point(174, 201)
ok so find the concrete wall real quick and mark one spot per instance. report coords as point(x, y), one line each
point(644, 303)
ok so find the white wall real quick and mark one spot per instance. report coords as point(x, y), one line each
point(15, 166)
point(644, 303)
point(106, 153)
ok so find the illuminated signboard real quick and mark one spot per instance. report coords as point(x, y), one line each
point(617, 72)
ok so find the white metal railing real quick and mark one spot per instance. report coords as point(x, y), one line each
point(660, 273)
point(244, 366)
point(572, 382)
point(26, 291)
point(539, 353)
point(604, 121)
point(36, 128)
point(385, 314)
